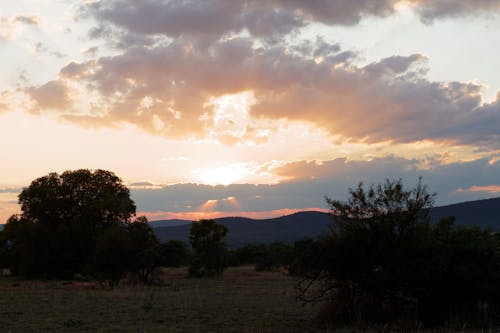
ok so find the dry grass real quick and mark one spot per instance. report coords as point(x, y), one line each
point(241, 301)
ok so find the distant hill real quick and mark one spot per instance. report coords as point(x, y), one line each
point(168, 223)
point(244, 230)
point(290, 228)
point(482, 213)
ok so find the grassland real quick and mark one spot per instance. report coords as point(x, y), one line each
point(241, 301)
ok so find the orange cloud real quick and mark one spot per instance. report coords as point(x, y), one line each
point(486, 188)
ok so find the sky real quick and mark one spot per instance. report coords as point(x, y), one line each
point(209, 108)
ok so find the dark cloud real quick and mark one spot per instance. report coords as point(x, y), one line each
point(313, 180)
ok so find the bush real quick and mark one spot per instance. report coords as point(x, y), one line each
point(174, 253)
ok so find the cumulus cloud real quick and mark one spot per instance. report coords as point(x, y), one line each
point(165, 90)
point(177, 56)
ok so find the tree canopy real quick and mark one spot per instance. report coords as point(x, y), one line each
point(62, 218)
point(91, 198)
point(209, 248)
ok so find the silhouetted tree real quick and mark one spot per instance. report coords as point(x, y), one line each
point(174, 253)
point(127, 248)
point(146, 258)
point(209, 248)
point(274, 256)
point(62, 216)
point(383, 259)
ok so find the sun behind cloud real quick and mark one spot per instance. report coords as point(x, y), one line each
point(224, 175)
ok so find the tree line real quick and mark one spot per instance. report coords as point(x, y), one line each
point(381, 261)
point(82, 223)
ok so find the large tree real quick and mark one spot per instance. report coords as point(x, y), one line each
point(62, 215)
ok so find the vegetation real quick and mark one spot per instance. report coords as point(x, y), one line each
point(265, 257)
point(382, 261)
point(209, 249)
point(77, 223)
point(174, 253)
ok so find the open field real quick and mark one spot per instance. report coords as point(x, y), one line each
point(241, 301)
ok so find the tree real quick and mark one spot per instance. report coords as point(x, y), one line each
point(127, 248)
point(174, 253)
point(209, 249)
point(383, 260)
point(146, 251)
point(62, 216)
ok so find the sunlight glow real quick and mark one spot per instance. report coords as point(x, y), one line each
point(230, 118)
point(224, 175)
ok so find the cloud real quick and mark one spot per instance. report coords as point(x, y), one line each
point(431, 10)
point(51, 95)
point(12, 190)
point(6, 28)
point(40, 47)
point(263, 19)
point(91, 51)
point(8, 25)
point(29, 20)
point(166, 90)
point(310, 181)
point(176, 57)
point(493, 189)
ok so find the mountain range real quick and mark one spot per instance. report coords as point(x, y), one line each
point(290, 228)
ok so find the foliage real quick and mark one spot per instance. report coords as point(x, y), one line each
point(209, 249)
point(62, 218)
point(265, 257)
point(127, 248)
point(383, 259)
point(275, 255)
point(174, 253)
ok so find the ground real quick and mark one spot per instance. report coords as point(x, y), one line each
point(241, 301)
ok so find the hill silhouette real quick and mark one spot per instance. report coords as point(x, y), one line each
point(290, 228)
point(483, 213)
point(243, 230)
